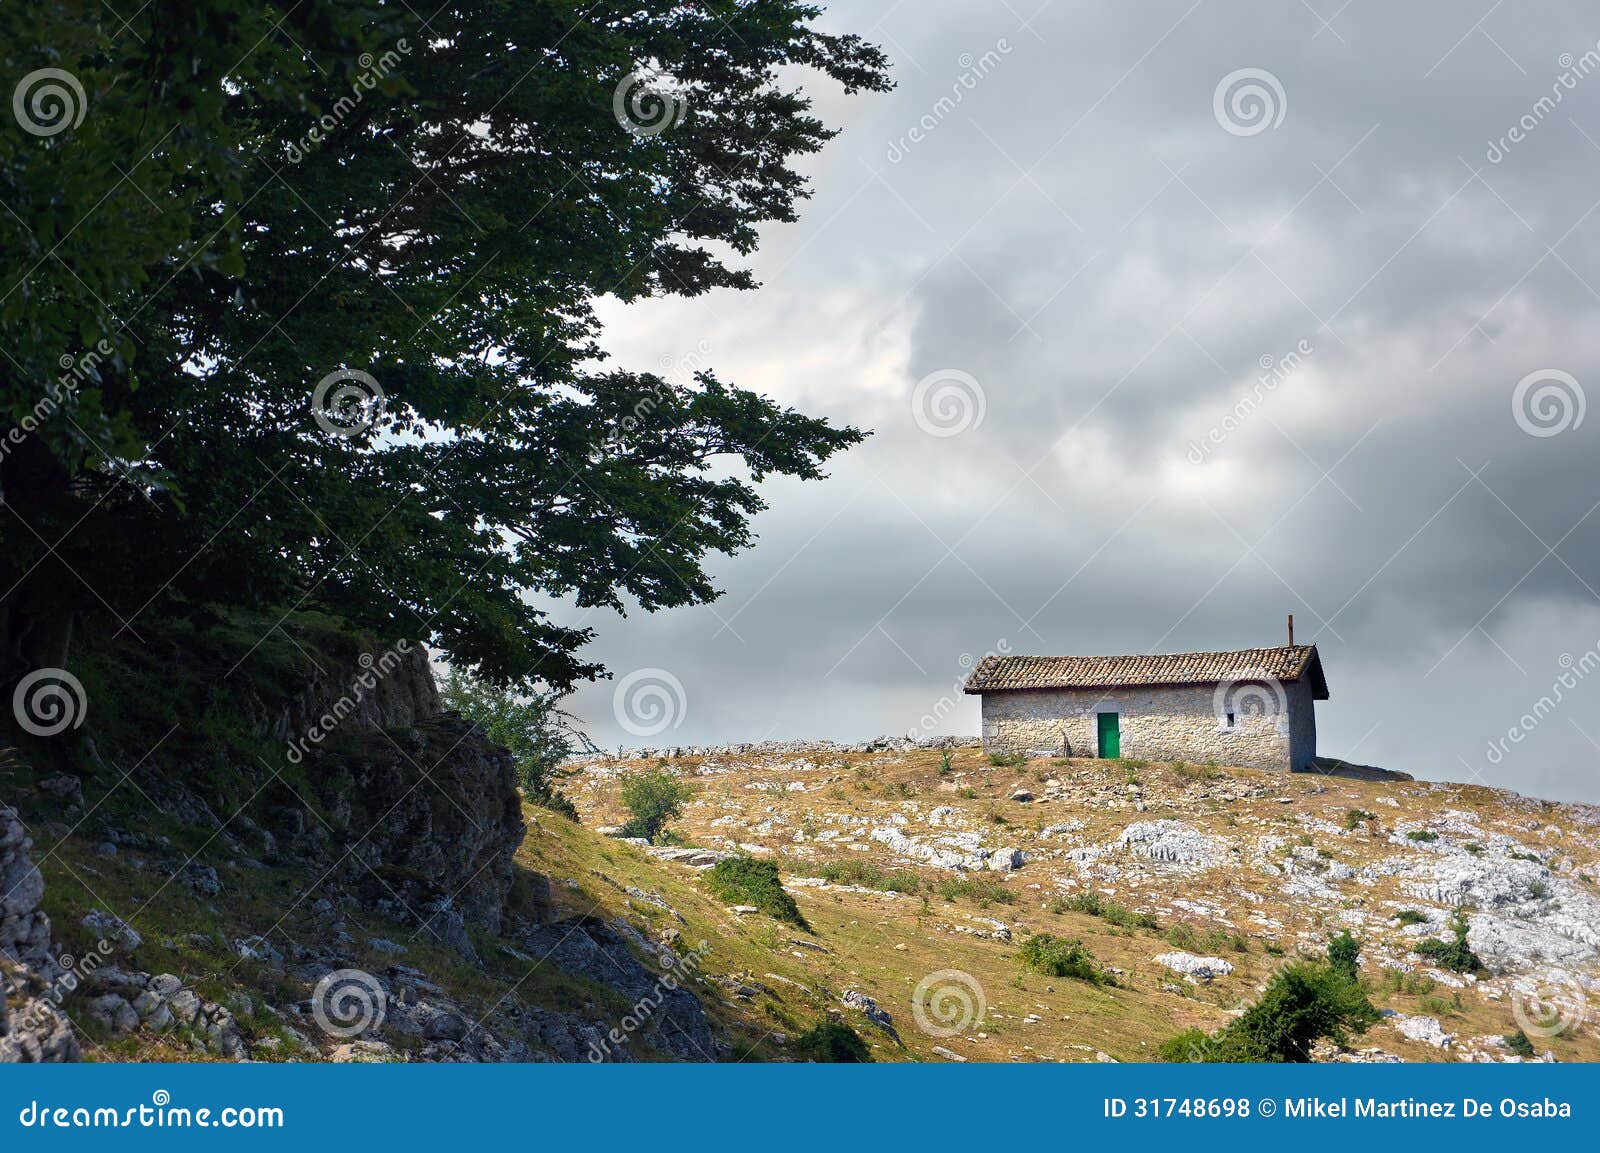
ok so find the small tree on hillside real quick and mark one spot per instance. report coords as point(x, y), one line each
point(532, 726)
point(654, 798)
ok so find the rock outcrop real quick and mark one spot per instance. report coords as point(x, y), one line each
point(31, 1028)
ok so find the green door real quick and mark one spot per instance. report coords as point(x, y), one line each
point(1110, 736)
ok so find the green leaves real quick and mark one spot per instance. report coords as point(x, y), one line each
point(258, 197)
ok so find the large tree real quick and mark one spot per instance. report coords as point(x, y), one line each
point(321, 277)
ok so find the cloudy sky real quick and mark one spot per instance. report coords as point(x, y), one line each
point(1171, 319)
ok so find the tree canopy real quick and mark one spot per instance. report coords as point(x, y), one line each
point(297, 301)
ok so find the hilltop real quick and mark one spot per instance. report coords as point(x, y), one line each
point(1207, 879)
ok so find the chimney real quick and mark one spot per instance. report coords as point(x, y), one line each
point(1291, 630)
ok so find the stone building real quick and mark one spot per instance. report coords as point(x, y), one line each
point(1252, 708)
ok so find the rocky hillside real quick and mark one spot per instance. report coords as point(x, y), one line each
point(190, 876)
point(923, 871)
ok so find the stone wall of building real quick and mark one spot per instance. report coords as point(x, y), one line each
point(1274, 725)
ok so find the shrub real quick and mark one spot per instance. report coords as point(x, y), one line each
point(1410, 917)
point(1095, 905)
point(653, 797)
point(1519, 855)
point(1519, 1044)
point(532, 726)
point(870, 876)
point(1305, 1002)
point(832, 1042)
point(1456, 955)
point(1059, 957)
point(751, 881)
point(945, 768)
point(1425, 835)
point(979, 887)
point(1344, 954)
point(1007, 760)
point(1354, 817)
point(1183, 936)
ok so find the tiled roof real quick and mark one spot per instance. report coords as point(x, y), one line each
point(1286, 664)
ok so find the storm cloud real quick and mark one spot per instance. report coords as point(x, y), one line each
point(1170, 320)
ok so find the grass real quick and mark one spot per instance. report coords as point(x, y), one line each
point(1007, 760)
point(977, 887)
point(1093, 904)
point(854, 871)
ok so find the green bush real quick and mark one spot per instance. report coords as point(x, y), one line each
point(1007, 760)
point(1354, 817)
point(1456, 955)
point(1422, 835)
point(654, 797)
point(979, 887)
point(1305, 1002)
point(832, 1042)
point(1059, 957)
point(1519, 1044)
point(1410, 917)
point(531, 725)
point(751, 881)
point(1344, 954)
point(869, 876)
point(1095, 905)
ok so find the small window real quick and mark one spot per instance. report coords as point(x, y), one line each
point(1229, 723)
